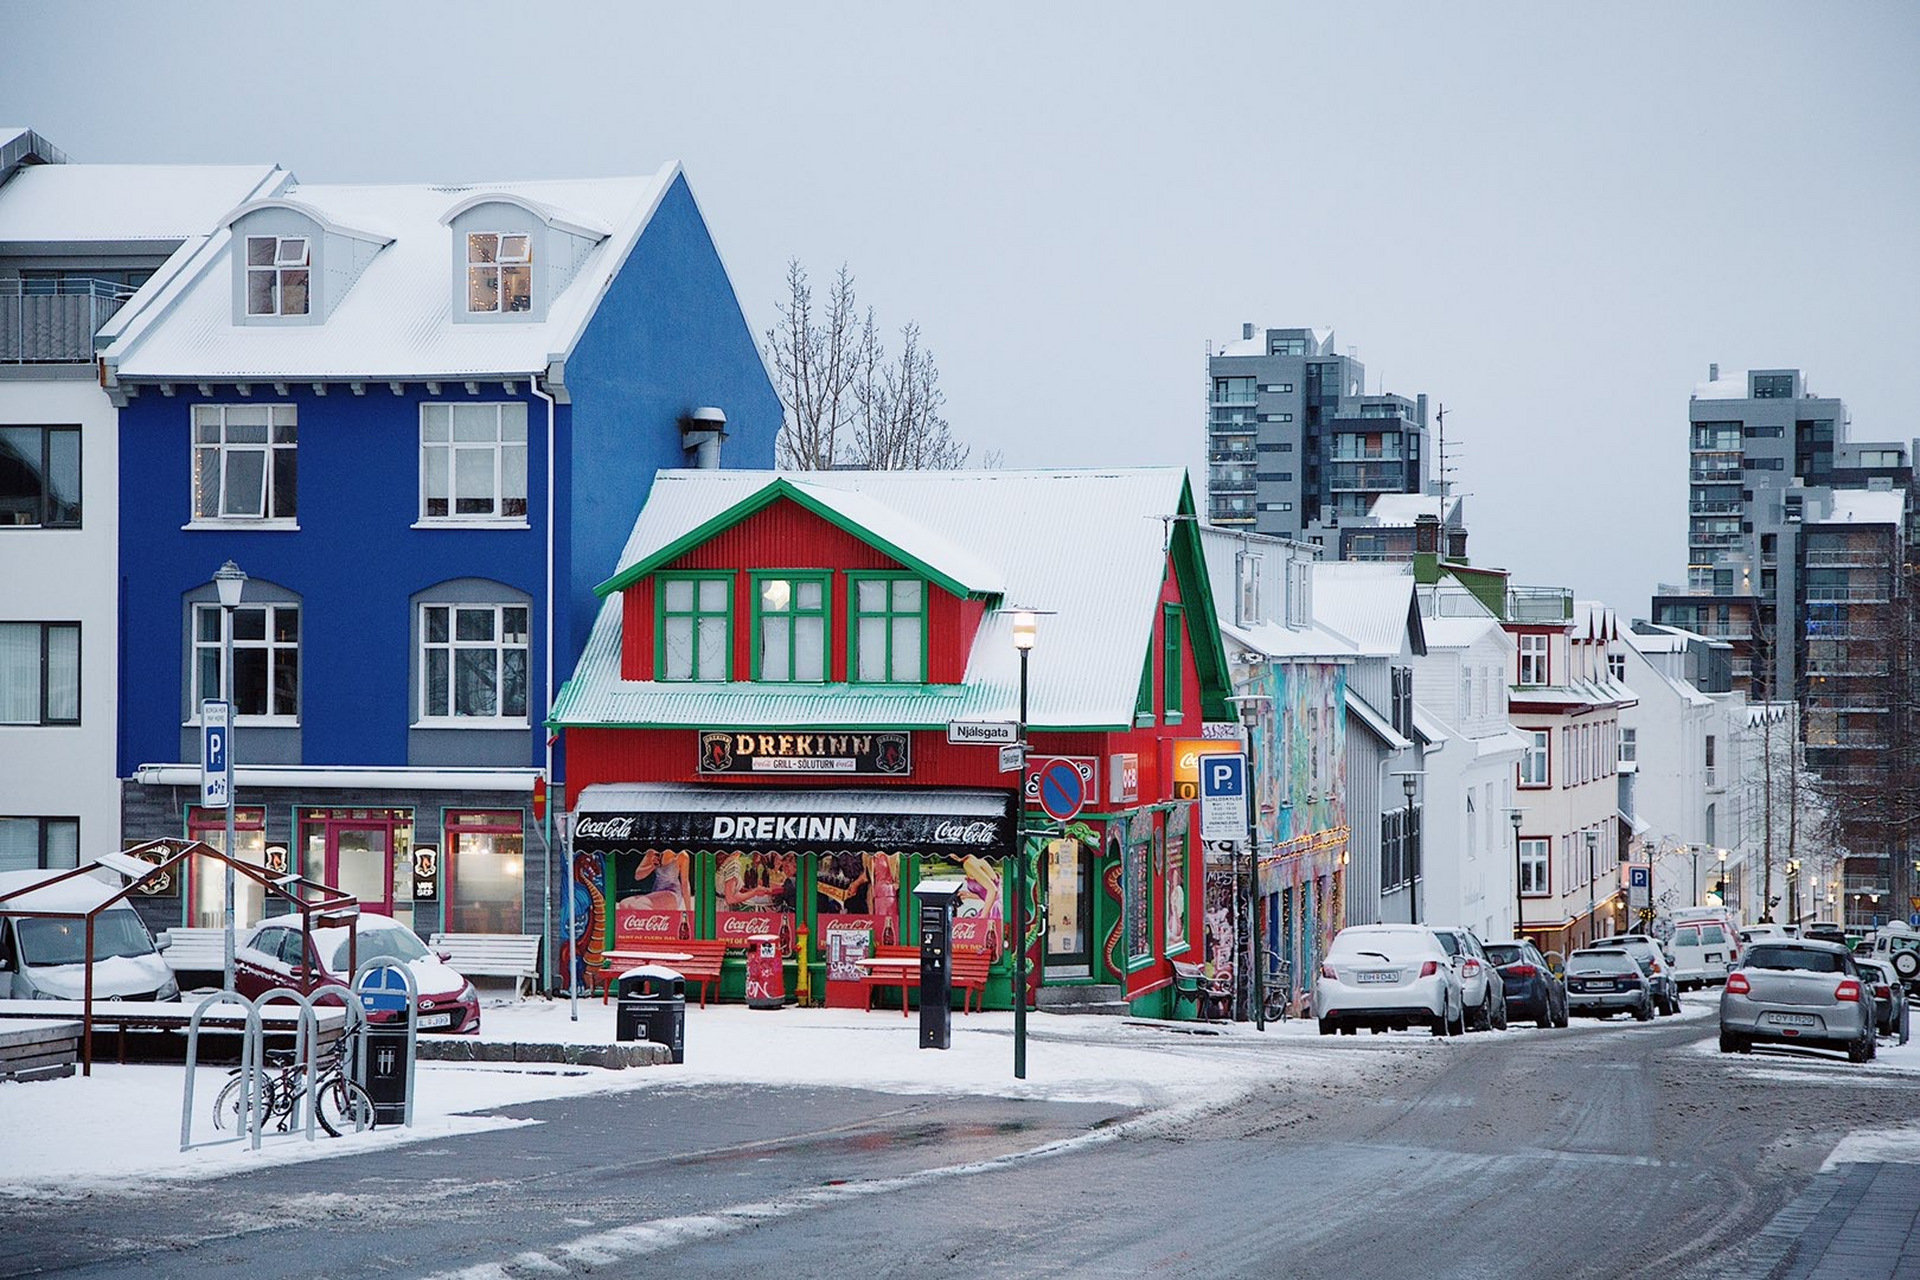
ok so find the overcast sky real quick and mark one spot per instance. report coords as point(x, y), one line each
point(1550, 220)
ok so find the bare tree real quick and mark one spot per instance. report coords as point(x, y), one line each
point(848, 402)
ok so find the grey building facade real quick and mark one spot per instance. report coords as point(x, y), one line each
point(1294, 445)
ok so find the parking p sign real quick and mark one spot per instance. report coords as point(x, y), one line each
point(1223, 797)
point(213, 755)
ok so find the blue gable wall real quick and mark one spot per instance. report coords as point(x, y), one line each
point(668, 338)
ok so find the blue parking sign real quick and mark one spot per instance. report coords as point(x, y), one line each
point(1223, 796)
point(1638, 877)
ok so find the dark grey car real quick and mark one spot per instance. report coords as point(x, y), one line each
point(1603, 981)
point(1791, 991)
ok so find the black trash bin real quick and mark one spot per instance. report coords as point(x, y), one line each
point(385, 1072)
point(652, 1005)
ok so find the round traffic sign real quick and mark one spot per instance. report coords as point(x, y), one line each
point(383, 990)
point(1062, 789)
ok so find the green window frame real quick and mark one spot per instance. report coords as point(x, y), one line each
point(887, 628)
point(792, 626)
point(693, 627)
point(1171, 618)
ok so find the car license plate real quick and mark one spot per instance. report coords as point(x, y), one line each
point(1377, 975)
point(1713, 957)
point(1791, 1019)
point(435, 1020)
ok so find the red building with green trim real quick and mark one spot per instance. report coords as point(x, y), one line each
point(760, 736)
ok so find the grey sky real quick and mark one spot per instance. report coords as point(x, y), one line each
point(1551, 221)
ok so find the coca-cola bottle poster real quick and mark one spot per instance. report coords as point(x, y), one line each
point(653, 896)
point(979, 914)
point(857, 892)
point(754, 893)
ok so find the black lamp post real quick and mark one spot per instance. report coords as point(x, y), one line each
point(228, 581)
point(1026, 628)
point(1516, 817)
point(1410, 848)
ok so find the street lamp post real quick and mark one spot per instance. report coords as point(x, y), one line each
point(1694, 849)
point(1721, 854)
point(1593, 880)
point(1247, 704)
point(1026, 630)
point(1410, 844)
point(228, 581)
point(1516, 817)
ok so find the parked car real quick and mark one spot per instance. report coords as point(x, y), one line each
point(1890, 1016)
point(1704, 952)
point(1768, 929)
point(43, 958)
point(1388, 977)
point(1603, 981)
point(1656, 962)
point(1825, 931)
point(1532, 988)
point(276, 955)
point(1899, 946)
point(1798, 992)
point(1485, 996)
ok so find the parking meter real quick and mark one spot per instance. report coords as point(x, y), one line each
point(938, 898)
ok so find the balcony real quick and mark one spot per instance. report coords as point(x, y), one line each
point(1539, 604)
point(1714, 508)
point(1349, 477)
point(1846, 558)
point(53, 322)
point(1847, 595)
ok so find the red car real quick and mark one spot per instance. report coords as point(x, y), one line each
point(272, 956)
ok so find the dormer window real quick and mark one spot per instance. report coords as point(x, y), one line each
point(499, 272)
point(277, 275)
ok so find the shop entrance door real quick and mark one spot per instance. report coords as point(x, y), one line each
point(357, 850)
point(1069, 873)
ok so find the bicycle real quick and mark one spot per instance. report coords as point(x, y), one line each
point(340, 1104)
point(1278, 1006)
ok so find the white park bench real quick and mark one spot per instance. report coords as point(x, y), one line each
point(491, 955)
point(196, 950)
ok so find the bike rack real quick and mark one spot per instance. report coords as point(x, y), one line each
point(413, 1024)
point(250, 1053)
point(306, 1032)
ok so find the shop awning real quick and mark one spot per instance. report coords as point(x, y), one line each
point(949, 823)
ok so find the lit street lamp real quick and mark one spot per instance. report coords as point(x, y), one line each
point(1026, 630)
point(228, 581)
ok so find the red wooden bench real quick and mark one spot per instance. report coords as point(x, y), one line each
point(968, 969)
point(700, 968)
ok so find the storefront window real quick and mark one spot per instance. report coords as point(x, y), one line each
point(1174, 881)
point(208, 876)
point(485, 871)
point(1140, 899)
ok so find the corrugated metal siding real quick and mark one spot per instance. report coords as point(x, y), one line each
point(1364, 759)
point(636, 605)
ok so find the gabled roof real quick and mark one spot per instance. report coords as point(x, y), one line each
point(1369, 603)
point(396, 321)
point(1089, 546)
point(121, 203)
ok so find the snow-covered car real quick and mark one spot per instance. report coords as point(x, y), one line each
point(44, 958)
point(1481, 989)
point(1388, 977)
point(276, 954)
point(1890, 1011)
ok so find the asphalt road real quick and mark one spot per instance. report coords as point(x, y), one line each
point(1603, 1150)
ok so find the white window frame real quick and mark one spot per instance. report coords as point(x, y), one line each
point(1540, 751)
point(1629, 745)
point(291, 255)
point(1533, 660)
point(496, 270)
point(445, 453)
point(1535, 869)
point(276, 651)
point(446, 716)
point(274, 508)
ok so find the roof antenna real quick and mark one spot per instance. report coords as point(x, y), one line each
point(1166, 528)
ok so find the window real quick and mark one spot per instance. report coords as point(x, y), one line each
point(499, 272)
point(266, 658)
point(1764, 464)
point(696, 628)
point(1535, 763)
point(277, 268)
point(790, 628)
point(244, 462)
point(485, 872)
point(473, 462)
point(1533, 659)
point(1772, 386)
point(1173, 686)
point(1765, 433)
point(1402, 706)
point(1617, 666)
point(40, 476)
point(39, 844)
point(473, 661)
point(1629, 745)
point(1283, 388)
point(1233, 390)
point(889, 630)
point(39, 673)
point(1533, 866)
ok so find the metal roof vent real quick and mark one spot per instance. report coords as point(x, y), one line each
point(700, 435)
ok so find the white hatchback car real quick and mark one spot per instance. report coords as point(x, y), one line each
point(1388, 977)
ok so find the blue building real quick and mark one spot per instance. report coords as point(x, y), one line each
point(421, 420)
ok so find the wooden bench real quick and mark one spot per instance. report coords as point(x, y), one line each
point(492, 955)
point(701, 968)
point(967, 972)
point(197, 950)
point(42, 1049)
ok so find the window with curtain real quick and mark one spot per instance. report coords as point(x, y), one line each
point(696, 627)
point(39, 844)
point(40, 673)
point(790, 641)
point(889, 637)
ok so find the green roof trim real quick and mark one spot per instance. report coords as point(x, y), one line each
point(1203, 620)
point(759, 500)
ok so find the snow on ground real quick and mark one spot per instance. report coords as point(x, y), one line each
point(122, 1125)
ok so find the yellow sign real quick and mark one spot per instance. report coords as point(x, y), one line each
point(1186, 762)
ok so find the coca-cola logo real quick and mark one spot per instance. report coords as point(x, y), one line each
point(588, 827)
point(964, 833)
point(637, 923)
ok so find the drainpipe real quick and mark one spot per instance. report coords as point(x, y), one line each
point(546, 904)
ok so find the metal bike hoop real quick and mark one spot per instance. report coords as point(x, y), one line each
point(250, 1053)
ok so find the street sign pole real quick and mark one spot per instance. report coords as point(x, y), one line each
point(1020, 898)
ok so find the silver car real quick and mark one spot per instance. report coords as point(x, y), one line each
point(1793, 991)
point(1603, 981)
point(1481, 987)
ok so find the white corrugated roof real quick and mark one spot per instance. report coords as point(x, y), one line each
point(396, 320)
point(1272, 640)
point(1361, 711)
point(1457, 632)
point(1086, 545)
point(1364, 601)
point(88, 203)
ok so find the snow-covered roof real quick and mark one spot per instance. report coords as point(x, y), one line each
point(1400, 510)
point(1458, 633)
point(1272, 640)
point(1866, 506)
point(1086, 545)
point(75, 894)
point(1360, 711)
point(1254, 346)
point(93, 203)
point(1429, 728)
point(1366, 602)
point(1730, 385)
point(396, 320)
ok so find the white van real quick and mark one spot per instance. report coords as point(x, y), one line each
point(1705, 949)
point(43, 958)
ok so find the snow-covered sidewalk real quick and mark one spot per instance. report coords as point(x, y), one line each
point(122, 1125)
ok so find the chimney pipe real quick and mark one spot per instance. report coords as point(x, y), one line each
point(700, 435)
point(1246, 333)
point(1713, 372)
